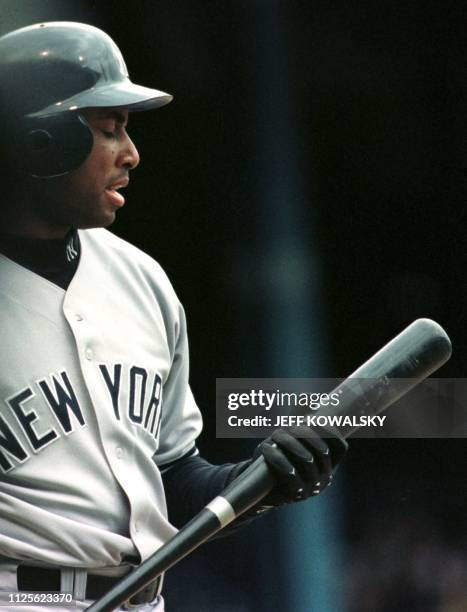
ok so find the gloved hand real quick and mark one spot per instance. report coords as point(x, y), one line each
point(302, 460)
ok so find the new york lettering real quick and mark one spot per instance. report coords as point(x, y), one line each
point(142, 388)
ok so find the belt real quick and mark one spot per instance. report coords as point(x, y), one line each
point(31, 578)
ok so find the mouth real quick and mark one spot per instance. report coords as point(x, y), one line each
point(114, 196)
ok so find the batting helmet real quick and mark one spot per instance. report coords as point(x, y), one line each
point(48, 72)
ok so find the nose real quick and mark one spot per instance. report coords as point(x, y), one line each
point(129, 156)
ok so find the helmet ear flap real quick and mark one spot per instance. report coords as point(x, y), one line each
point(54, 145)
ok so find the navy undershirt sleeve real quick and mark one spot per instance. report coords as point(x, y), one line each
point(192, 482)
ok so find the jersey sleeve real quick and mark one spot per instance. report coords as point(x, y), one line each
point(181, 420)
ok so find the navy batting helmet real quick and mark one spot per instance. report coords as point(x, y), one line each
point(48, 72)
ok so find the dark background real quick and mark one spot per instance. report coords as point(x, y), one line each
point(335, 131)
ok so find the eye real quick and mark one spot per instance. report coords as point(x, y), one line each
point(108, 135)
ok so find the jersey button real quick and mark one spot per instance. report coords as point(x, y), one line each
point(89, 354)
point(119, 452)
point(78, 317)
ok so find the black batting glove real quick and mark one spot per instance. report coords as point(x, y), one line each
point(303, 462)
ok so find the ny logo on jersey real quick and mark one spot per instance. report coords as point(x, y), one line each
point(71, 251)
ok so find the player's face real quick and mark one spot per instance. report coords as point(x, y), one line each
point(90, 196)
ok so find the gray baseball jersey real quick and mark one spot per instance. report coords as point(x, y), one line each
point(95, 398)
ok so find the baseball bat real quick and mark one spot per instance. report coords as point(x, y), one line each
point(393, 371)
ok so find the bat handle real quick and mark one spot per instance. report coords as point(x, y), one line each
point(250, 486)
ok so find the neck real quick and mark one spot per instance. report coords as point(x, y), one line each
point(35, 231)
point(20, 220)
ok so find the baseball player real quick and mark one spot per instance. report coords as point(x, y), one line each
point(98, 426)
